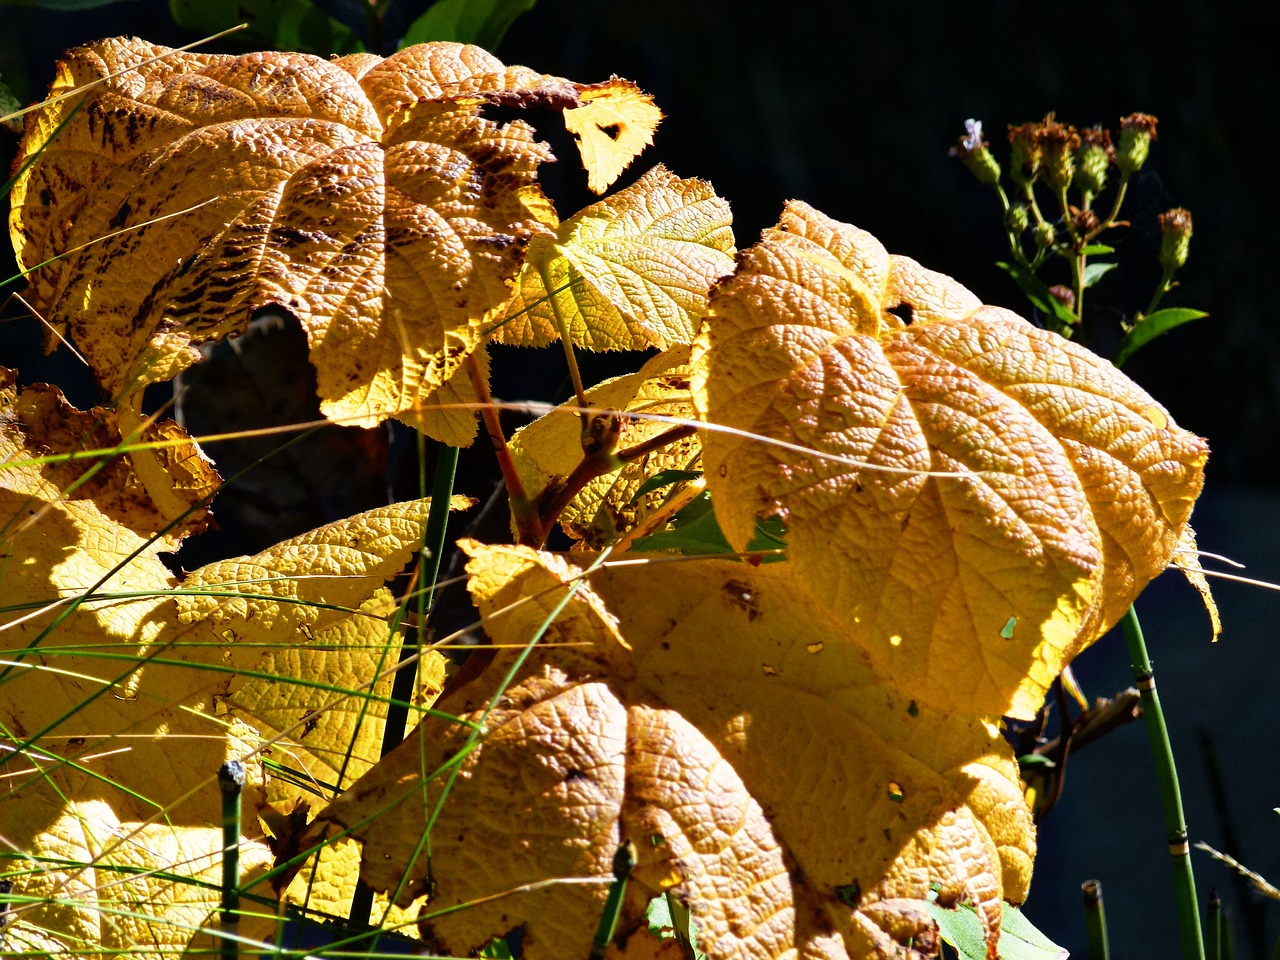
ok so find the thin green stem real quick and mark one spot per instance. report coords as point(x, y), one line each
point(406, 675)
point(231, 783)
point(1095, 920)
point(1170, 794)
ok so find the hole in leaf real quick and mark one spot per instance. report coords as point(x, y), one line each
point(904, 312)
point(612, 131)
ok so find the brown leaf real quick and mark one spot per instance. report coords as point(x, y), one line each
point(797, 803)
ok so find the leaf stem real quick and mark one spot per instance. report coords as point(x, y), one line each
point(1170, 794)
point(522, 508)
point(562, 326)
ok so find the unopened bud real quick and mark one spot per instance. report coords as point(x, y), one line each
point(1024, 153)
point(1175, 238)
point(1092, 159)
point(972, 151)
point(1044, 235)
point(1016, 218)
point(1136, 133)
point(1058, 145)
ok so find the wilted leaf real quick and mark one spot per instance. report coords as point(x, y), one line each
point(547, 450)
point(615, 122)
point(112, 719)
point(367, 197)
point(950, 468)
point(629, 272)
point(796, 803)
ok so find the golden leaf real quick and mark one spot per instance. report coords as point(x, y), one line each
point(949, 469)
point(629, 272)
point(547, 450)
point(614, 124)
point(367, 197)
point(794, 801)
point(114, 721)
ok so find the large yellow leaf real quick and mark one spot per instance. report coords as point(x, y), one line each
point(113, 718)
point(547, 450)
point(367, 197)
point(629, 272)
point(980, 498)
point(798, 804)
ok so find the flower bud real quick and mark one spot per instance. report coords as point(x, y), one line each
point(1136, 133)
point(1092, 159)
point(1016, 218)
point(1044, 235)
point(1058, 145)
point(1175, 238)
point(1024, 154)
point(1083, 222)
point(972, 151)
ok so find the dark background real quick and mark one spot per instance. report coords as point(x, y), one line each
point(852, 107)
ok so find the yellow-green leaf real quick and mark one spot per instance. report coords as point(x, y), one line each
point(547, 450)
point(628, 272)
point(796, 802)
point(942, 467)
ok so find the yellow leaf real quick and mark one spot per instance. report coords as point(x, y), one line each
point(113, 721)
point(1188, 561)
point(950, 470)
point(547, 450)
point(798, 804)
point(615, 122)
point(367, 197)
point(629, 272)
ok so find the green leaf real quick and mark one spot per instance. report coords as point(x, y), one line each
point(1152, 326)
point(9, 105)
point(1095, 249)
point(1096, 271)
point(1019, 939)
point(665, 479)
point(285, 24)
point(499, 948)
point(482, 22)
point(695, 533)
point(1037, 291)
point(667, 917)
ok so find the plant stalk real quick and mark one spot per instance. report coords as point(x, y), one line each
point(1095, 920)
point(1170, 794)
point(231, 783)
